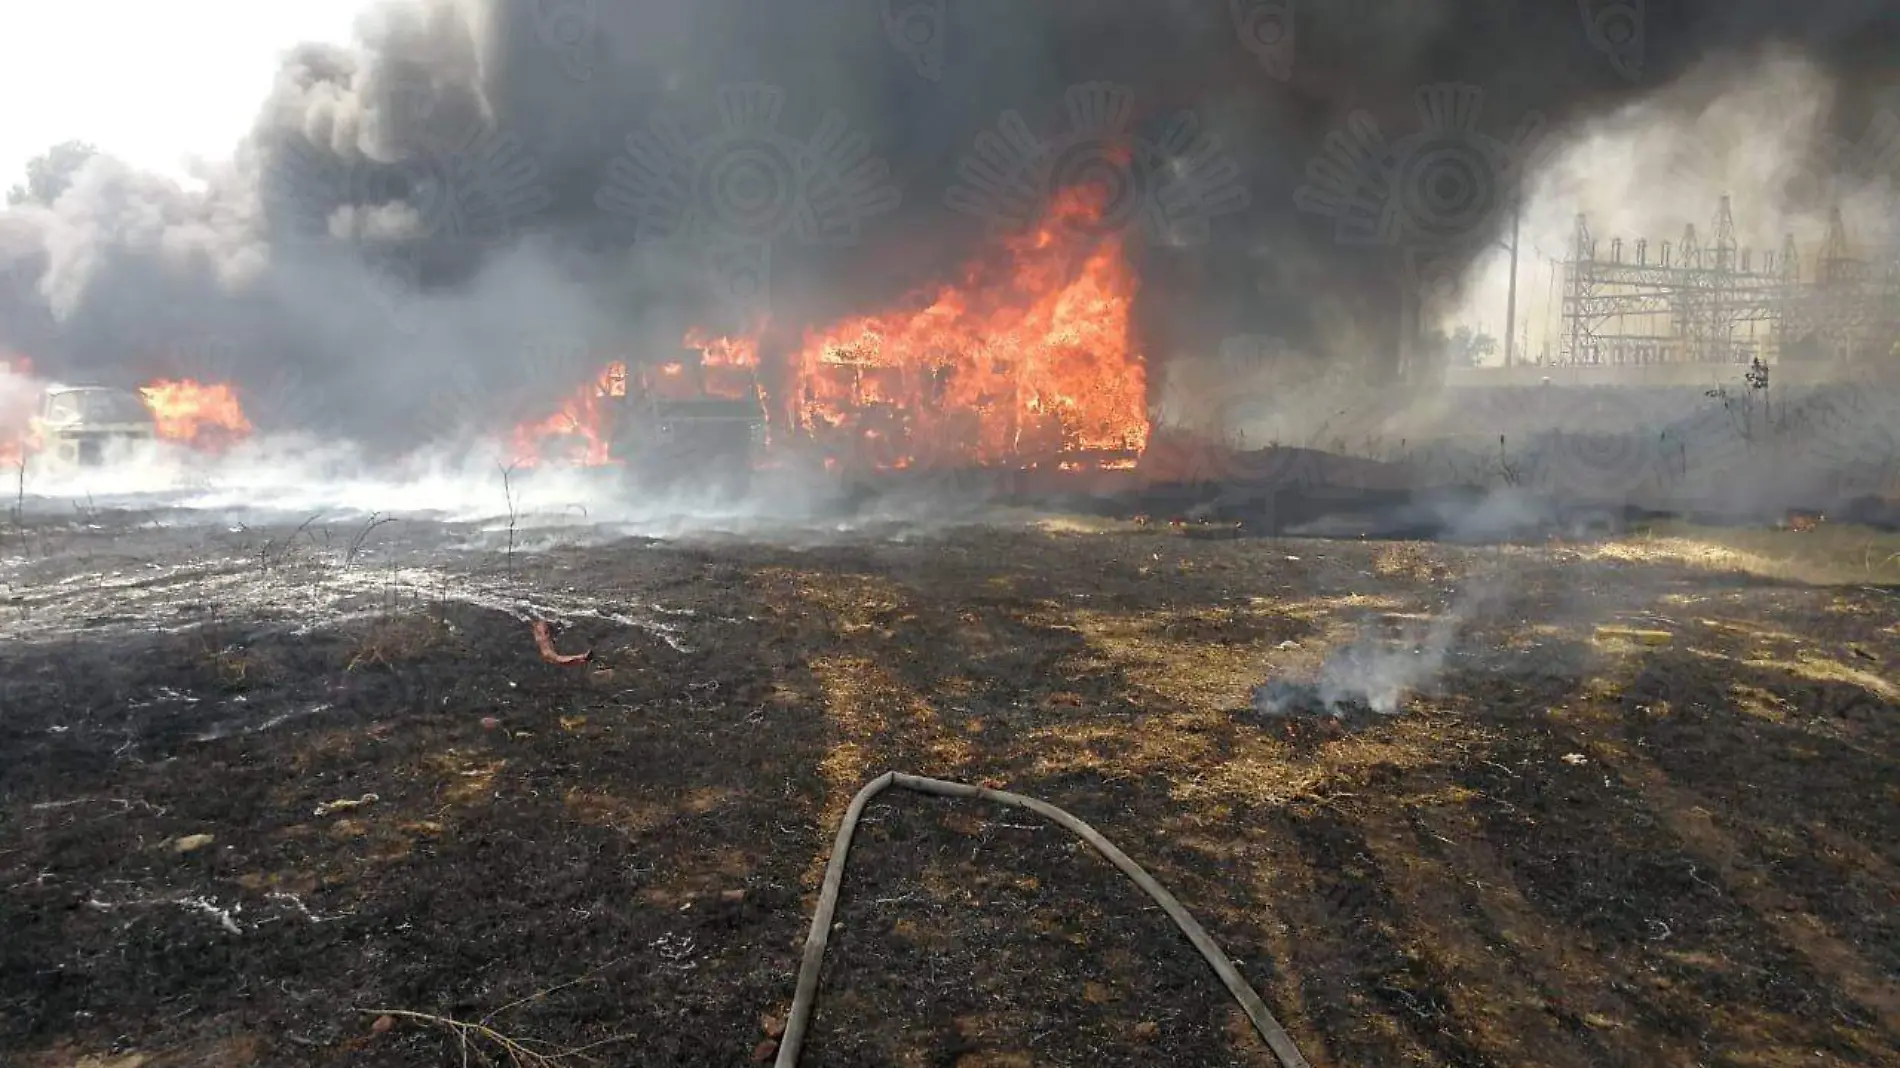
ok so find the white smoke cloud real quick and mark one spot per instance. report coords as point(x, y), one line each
point(1757, 130)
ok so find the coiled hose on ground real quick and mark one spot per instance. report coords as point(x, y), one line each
point(808, 971)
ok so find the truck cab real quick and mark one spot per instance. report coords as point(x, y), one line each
point(684, 424)
point(91, 426)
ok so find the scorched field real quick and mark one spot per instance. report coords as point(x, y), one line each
point(321, 795)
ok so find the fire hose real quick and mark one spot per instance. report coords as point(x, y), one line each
point(799, 1019)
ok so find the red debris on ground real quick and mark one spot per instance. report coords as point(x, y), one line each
point(544, 641)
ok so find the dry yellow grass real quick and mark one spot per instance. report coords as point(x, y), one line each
point(1828, 555)
point(397, 639)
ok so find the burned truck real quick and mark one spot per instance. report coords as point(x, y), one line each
point(687, 426)
point(91, 426)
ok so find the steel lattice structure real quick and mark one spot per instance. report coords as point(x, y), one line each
point(1711, 302)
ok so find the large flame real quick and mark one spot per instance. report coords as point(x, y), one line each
point(1028, 359)
point(205, 415)
point(17, 396)
point(731, 364)
point(1020, 363)
point(578, 433)
point(726, 369)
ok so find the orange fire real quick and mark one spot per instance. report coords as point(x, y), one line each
point(1028, 359)
point(1013, 365)
point(731, 363)
point(578, 433)
point(205, 415)
point(16, 410)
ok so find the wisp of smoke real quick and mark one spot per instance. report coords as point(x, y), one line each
point(1369, 673)
point(1376, 673)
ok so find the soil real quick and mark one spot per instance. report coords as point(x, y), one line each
point(1570, 848)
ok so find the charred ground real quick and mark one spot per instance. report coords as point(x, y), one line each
point(1574, 849)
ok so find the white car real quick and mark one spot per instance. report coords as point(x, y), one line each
point(91, 426)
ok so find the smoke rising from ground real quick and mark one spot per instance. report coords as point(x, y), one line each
point(409, 243)
point(1380, 672)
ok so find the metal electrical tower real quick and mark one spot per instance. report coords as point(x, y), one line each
point(1711, 302)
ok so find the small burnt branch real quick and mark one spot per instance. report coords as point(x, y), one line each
point(376, 519)
point(1507, 470)
point(19, 499)
point(508, 494)
point(264, 557)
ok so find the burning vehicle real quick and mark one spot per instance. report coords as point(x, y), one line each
point(1027, 361)
point(697, 419)
point(72, 427)
point(91, 426)
point(693, 421)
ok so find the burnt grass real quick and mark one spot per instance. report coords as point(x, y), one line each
point(1569, 853)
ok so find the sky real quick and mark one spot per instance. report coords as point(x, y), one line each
point(201, 68)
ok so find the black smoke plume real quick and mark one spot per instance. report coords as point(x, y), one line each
point(412, 237)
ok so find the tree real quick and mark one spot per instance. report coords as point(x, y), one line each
point(1463, 347)
point(50, 173)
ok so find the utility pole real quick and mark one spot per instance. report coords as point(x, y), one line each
point(1550, 311)
point(1510, 310)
